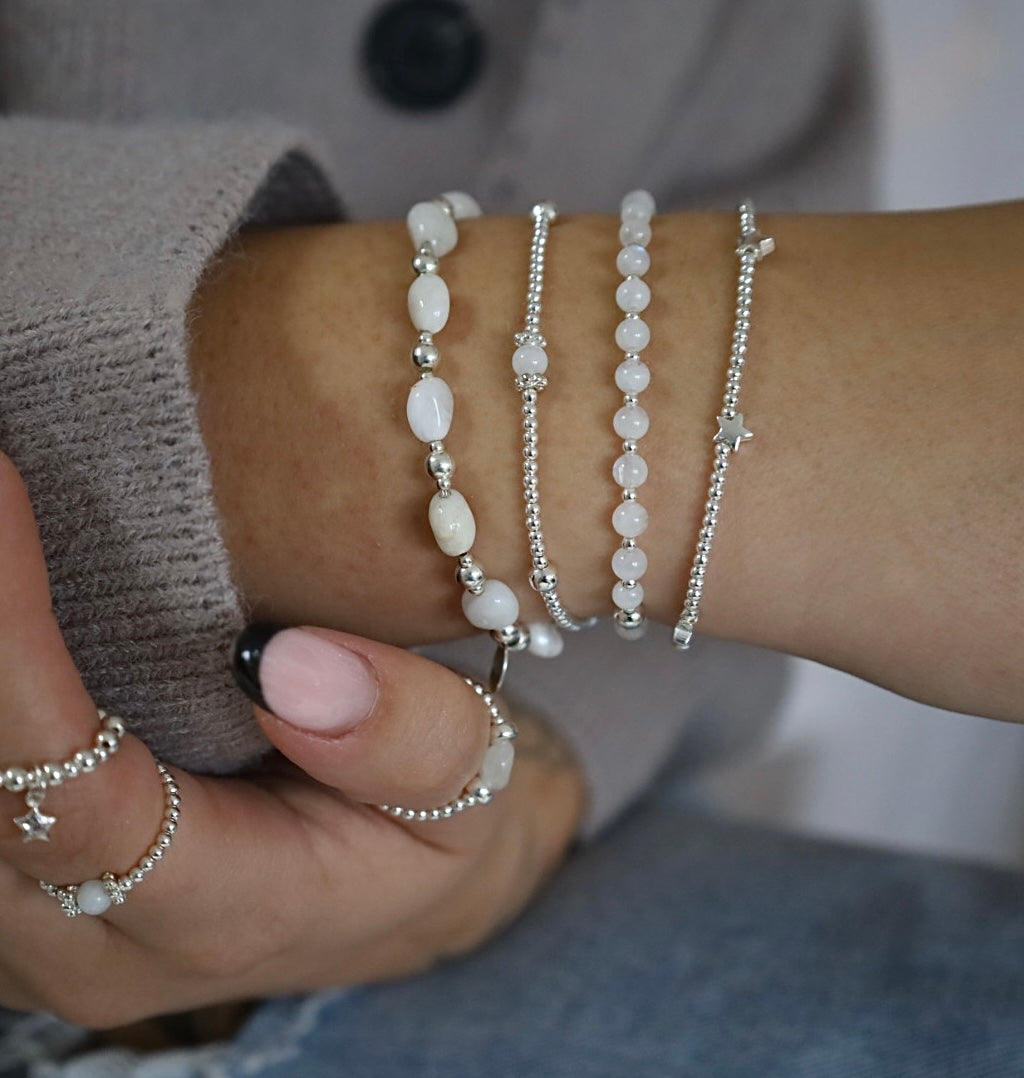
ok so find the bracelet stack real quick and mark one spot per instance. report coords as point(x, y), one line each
point(490, 604)
point(631, 422)
point(752, 247)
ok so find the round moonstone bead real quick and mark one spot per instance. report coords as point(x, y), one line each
point(495, 607)
point(630, 471)
point(462, 205)
point(545, 640)
point(629, 519)
point(629, 563)
point(632, 295)
point(429, 303)
point(452, 522)
point(632, 376)
point(633, 260)
point(635, 230)
point(496, 769)
point(627, 596)
point(529, 359)
point(637, 203)
point(632, 335)
point(92, 898)
point(429, 409)
point(428, 223)
point(631, 422)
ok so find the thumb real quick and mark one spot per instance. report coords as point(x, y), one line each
point(380, 724)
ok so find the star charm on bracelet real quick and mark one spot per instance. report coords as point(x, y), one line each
point(731, 431)
point(35, 825)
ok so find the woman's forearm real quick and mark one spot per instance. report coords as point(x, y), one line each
point(874, 522)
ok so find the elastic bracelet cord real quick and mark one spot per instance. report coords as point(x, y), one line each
point(632, 376)
point(732, 433)
point(530, 363)
point(488, 604)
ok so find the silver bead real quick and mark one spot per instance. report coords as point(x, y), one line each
point(470, 575)
point(114, 725)
point(546, 210)
point(15, 779)
point(426, 357)
point(108, 740)
point(52, 774)
point(440, 465)
point(630, 624)
point(425, 261)
point(514, 637)
point(544, 580)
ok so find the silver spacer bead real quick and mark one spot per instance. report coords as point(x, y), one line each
point(440, 465)
point(426, 357)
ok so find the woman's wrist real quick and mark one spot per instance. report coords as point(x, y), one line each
point(850, 520)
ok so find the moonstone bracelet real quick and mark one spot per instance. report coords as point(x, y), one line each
point(752, 247)
point(632, 376)
point(488, 604)
point(530, 363)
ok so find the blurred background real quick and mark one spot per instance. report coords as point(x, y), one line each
point(848, 759)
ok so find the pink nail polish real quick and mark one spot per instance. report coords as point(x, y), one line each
point(314, 684)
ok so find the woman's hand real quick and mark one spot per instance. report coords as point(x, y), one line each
point(287, 881)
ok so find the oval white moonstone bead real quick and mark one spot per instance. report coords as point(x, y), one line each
point(633, 260)
point(630, 471)
point(545, 640)
point(462, 205)
point(429, 409)
point(632, 334)
point(632, 295)
point(637, 203)
point(428, 223)
point(92, 898)
point(629, 563)
point(631, 422)
point(529, 359)
point(494, 608)
point(632, 376)
point(429, 303)
point(629, 519)
point(452, 522)
point(627, 596)
point(496, 769)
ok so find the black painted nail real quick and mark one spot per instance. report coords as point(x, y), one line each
point(245, 662)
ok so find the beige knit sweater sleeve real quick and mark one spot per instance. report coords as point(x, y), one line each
point(104, 232)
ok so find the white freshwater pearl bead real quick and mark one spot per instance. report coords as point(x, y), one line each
point(452, 522)
point(628, 596)
point(632, 376)
point(630, 471)
point(629, 519)
point(635, 230)
point(496, 769)
point(632, 335)
point(637, 203)
point(429, 409)
point(92, 898)
point(462, 205)
point(629, 563)
point(631, 422)
point(632, 295)
point(633, 260)
point(493, 608)
point(529, 359)
point(429, 303)
point(545, 640)
point(428, 223)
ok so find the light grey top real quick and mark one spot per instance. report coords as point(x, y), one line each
point(142, 133)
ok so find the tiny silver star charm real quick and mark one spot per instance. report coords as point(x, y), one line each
point(731, 431)
point(35, 825)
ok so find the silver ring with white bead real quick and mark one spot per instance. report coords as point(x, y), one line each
point(95, 897)
point(493, 776)
point(631, 422)
point(732, 433)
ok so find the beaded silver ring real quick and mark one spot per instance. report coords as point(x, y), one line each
point(732, 433)
point(34, 780)
point(494, 774)
point(95, 897)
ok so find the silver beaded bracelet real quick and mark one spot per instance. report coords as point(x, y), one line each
point(732, 433)
point(631, 422)
point(487, 603)
point(530, 364)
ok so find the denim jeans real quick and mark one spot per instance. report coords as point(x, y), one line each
point(677, 944)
